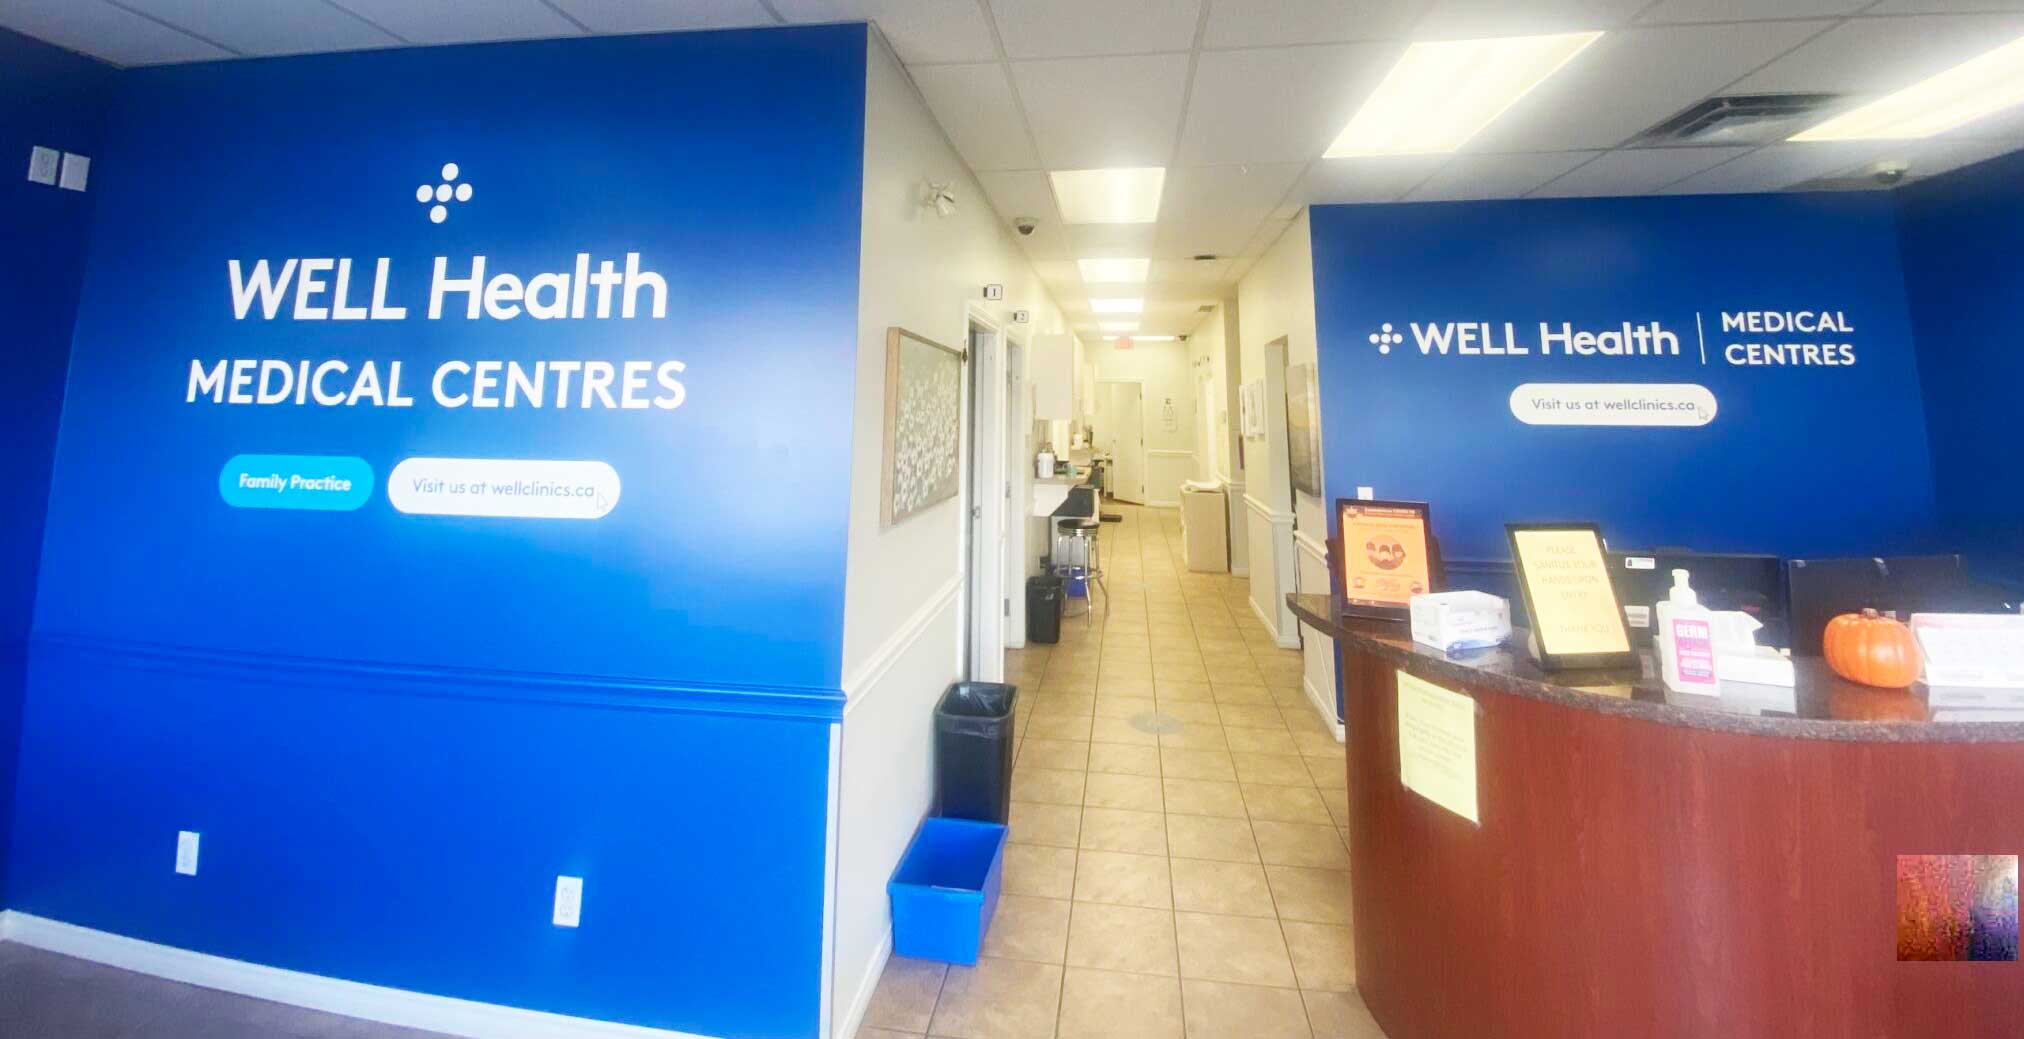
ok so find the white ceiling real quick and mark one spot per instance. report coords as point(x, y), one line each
point(1237, 98)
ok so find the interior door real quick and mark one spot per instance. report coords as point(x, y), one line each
point(1128, 442)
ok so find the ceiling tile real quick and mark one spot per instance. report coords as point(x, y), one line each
point(1477, 19)
point(1629, 81)
point(1778, 166)
point(1676, 11)
point(1635, 171)
point(267, 27)
point(1243, 194)
point(1278, 104)
point(1495, 176)
point(1944, 6)
point(1266, 237)
point(975, 106)
point(919, 30)
point(1021, 193)
point(1181, 238)
point(1075, 28)
point(1111, 239)
point(1932, 156)
point(1090, 113)
point(104, 31)
point(1310, 21)
point(1191, 275)
point(463, 21)
point(1382, 178)
point(616, 16)
point(1877, 55)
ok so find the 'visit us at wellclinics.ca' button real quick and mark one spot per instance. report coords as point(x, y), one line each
point(333, 483)
point(1613, 404)
point(519, 488)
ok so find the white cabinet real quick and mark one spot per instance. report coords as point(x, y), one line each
point(1052, 374)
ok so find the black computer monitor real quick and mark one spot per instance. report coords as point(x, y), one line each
point(1751, 583)
point(1821, 589)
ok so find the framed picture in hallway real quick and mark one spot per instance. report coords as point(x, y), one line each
point(1303, 429)
point(923, 425)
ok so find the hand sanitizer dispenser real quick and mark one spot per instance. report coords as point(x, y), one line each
point(1686, 641)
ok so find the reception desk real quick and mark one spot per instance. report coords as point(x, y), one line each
point(1656, 867)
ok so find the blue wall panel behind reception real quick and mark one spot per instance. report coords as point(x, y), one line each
point(567, 601)
point(1798, 441)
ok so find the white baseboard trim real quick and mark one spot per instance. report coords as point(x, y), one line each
point(330, 995)
point(1265, 618)
point(897, 644)
point(853, 1019)
point(1240, 571)
point(1163, 505)
point(1323, 707)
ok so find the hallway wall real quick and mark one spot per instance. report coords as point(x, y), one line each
point(1163, 369)
point(1275, 301)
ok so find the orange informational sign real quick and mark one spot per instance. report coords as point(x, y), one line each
point(1574, 608)
point(1386, 559)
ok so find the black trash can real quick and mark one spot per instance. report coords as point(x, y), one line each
point(1043, 609)
point(973, 751)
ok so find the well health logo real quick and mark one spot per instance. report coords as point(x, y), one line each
point(443, 194)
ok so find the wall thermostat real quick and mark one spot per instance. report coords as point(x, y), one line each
point(994, 292)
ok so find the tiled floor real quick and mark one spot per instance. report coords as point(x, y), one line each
point(1176, 865)
point(46, 996)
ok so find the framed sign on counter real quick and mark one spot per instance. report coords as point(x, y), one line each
point(1563, 574)
point(1385, 553)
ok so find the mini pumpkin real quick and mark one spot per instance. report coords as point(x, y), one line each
point(1871, 649)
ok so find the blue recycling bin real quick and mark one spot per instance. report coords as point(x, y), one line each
point(946, 888)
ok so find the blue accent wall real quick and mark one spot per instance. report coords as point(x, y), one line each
point(55, 99)
point(1963, 235)
point(1798, 460)
point(395, 729)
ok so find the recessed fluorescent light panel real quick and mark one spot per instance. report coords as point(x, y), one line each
point(1441, 94)
point(1097, 272)
point(1118, 326)
point(1118, 306)
point(1124, 196)
point(1960, 95)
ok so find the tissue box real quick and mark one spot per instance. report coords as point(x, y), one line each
point(1450, 621)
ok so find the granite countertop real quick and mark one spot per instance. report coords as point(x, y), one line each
point(1822, 706)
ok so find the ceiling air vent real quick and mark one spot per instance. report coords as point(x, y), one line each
point(1741, 119)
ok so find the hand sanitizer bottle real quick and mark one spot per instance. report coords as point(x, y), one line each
point(1686, 641)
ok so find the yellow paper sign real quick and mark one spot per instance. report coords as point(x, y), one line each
point(1574, 610)
point(1437, 745)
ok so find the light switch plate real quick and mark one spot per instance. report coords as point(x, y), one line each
point(42, 164)
point(76, 170)
point(1366, 494)
point(568, 901)
point(186, 853)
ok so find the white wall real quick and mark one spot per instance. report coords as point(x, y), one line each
point(902, 635)
point(1164, 370)
point(1275, 301)
point(1213, 345)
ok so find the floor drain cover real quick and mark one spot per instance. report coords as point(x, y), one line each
point(1156, 723)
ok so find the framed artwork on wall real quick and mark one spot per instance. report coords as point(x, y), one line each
point(923, 425)
point(1303, 429)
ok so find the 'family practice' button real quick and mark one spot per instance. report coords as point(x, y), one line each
point(336, 483)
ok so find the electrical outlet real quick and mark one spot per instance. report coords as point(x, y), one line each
point(42, 165)
point(568, 901)
point(75, 173)
point(186, 853)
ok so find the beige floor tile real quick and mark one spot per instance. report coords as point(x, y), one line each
point(1210, 837)
point(1179, 691)
point(1128, 938)
point(1204, 797)
point(1195, 736)
point(1102, 1004)
point(1062, 754)
point(1068, 682)
point(1117, 829)
point(1324, 955)
point(1058, 727)
point(1328, 773)
point(1286, 804)
point(1221, 1011)
point(1250, 716)
point(1123, 685)
point(1300, 844)
point(905, 996)
point(1028, 928)
point(1035, 823)
point(1110, 790)
point(1177, 763)
point(1047, 785)
point(1241, 694)
point(885, 1033)
point(1260, 741)
point(1242, 949)
point(1340, 1015)
point(1053, 703)
point(1312, 895)
point(1192, 711)
point(999, 999)
point(1119, 878)
point(1119, 706)
point(1032, 869)
point(1124, 759)
point(1228, 888)
point(1120, 730)
point(1318, 744)
point(1277, 769)
point(1337, 801)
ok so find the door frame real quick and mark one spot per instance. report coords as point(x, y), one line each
point(1103, 403)
point(984, 535)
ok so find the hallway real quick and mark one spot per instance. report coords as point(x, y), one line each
point(1176, 864)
